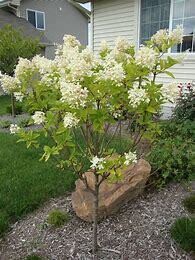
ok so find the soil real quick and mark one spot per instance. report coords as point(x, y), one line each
point(139, 231)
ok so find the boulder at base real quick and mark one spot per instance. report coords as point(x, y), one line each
point(112, 195)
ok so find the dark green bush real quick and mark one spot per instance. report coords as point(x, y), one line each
point(185, 107)
point(172, 155)
point(58, 218)
point(183, 232)
point(189, 203)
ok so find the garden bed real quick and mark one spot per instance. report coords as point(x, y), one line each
point(139, 231)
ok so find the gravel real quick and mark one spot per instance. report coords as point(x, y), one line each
point(139, 231)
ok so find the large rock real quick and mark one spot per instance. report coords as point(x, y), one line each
point(112, 195)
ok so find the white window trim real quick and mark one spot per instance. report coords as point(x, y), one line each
point(36, 11)
point(170, 28)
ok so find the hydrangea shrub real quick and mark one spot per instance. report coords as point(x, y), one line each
point(83, 95)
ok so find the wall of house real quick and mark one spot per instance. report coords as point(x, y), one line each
point(60, 18)
point(113, 18)
point(184, 72)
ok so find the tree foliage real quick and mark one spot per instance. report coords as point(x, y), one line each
point(83, 96)
point(13, 44)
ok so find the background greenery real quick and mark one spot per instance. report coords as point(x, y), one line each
point(4, 103)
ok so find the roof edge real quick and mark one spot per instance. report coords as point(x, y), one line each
point(82, 9)
point(83, 1)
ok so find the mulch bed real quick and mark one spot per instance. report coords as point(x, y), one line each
point(140, 231)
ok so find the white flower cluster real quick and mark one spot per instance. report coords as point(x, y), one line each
point(160, 37)
point(112, 70)
point(42, 64)
point(130, 157)
point(73, 64)
point(70, 120)
point(18, 96)
point(137, 95)
point(97, 163)
point(104, 47)
point(121, 44)
point(14, 129)
point(39, 117)
point(22, 66)
point(170, 92)
point(70, 41)
point(73, 94)
point(9, 84)
point(163, 36)
point(177, 34)
point(146, 57)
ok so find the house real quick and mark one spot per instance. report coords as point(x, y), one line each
point(138, 20)
point(27, 28)
point(51, 19)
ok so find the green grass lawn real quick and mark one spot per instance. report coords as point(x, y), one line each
point(26, 183)
point(4, 103)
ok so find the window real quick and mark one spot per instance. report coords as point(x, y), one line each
point(155, 15)
point(165, 14)
point(184, 13)
point(36, 18)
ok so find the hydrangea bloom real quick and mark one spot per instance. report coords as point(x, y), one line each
point(177, 34)
point(73, 94)
point(146, 57)
point(112, 70)
point(22, 66)
point(9, 84)
point(70, 120)
point(97, 163)
point(160, 37)
point(18, 96)
point(39, 117)
point(121, 44)
point(89, 57)
point(104, 47)
point(137, 95)
point(42, 64)
point(170, 92)
point(71, 41)
point(73, 65)
point(14, 128)
point(130, 157)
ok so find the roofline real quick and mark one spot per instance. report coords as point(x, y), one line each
point(7, 3)
point(82, 9)
point(82, 1)
point(4, 3)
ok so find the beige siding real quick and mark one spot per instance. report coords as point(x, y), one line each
point(183, 72)
point(113, 18)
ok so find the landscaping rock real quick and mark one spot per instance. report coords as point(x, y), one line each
point(112, 195)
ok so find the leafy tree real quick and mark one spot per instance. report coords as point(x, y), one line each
point(13, 44)
point(81, 96)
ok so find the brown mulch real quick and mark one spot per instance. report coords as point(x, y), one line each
point(140, 231)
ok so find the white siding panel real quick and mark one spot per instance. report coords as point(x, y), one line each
point(184, 72)
point(113, 18)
